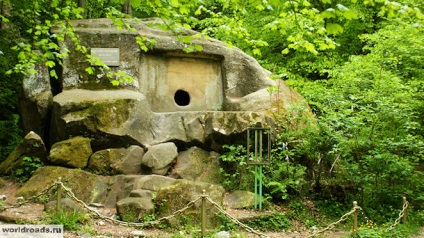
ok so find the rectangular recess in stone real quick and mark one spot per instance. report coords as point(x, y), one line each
point(173, 83)
point(109, 56)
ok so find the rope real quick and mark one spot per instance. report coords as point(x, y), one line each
point(332, 225)
point(402, 213)
point(136, 224)
point(247, 228)
point(32, 198)
point(176, 213)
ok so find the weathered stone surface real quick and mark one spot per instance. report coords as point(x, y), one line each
point(160, 158)
point(31, 146)
point(86, 186)
point(212, 129)
point(73, 153)
point(66, 204)
point(118, 118)
point(100, 161)
point(177, 196)
point(240, 199)
point(132, 209)
point(222, 234)
point(196, 164)
point(141, 193)
point(119, 188)
point(219, 83)
point(35, 101)
point(114, 118)
point(153, 182)
point(130, 163)
point(90, 188)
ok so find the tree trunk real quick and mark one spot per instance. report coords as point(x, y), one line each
point(126, 8)
point(4, 11)
point(81, 3)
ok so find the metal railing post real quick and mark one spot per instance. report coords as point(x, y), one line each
point(405, 214)
point(355, 219)
point(203, 212)
point(59, 195)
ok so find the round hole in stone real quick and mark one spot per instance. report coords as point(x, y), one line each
point(182, 98)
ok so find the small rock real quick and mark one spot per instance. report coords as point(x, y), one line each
point(101, 223)
point(20, 199)
point(138, 233)
point(3, 197)
point(83, 234)
point(222, 234)
point(106, 212)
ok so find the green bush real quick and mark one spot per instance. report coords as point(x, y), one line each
point(28, 167)
point(276, 221)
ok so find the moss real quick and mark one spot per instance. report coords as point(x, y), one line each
point(105, 115)
point(80, 182)
point(175, 197)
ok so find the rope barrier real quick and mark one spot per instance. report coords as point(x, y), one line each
point(332, 225)
point(402, 214)
point(247, 228)
point(68, 191)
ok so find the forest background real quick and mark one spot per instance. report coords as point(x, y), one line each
point(358, 64)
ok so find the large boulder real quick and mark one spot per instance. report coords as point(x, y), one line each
point(113, 118)
point(36, 101)
point(120, 187)
point(100, 161)
point(160, 158)
point(66, 205)
point(132, 209)
point(88, 187)
point(239, 199)
point(178, 196)
point(130, 163)
point(153, 182)
point(196, 164)
point(201, 98)
point(31, 146)
point(73, 153)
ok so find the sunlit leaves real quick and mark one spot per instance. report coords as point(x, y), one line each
point(145, 43)
point(334, 29)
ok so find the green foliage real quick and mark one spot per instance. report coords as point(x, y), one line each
point(285, 176)
point(235, 174)
point(28, 167)
point(271, 222)
point(306, 215)
point(71, 220)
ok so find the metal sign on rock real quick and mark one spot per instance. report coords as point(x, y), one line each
point(109, 56)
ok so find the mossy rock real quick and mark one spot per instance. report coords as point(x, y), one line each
point(31, 146)
point(196, 164)
point(73, 152)
point(86, 186)
point(178, 196)
point(100, 162)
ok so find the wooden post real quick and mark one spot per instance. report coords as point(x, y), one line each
point(203, 212)
point(59, 195)
point(355, 219)
point(405, 213)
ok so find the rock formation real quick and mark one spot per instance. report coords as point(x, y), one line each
point(160, 132)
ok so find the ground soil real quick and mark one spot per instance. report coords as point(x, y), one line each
point(32, 213)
